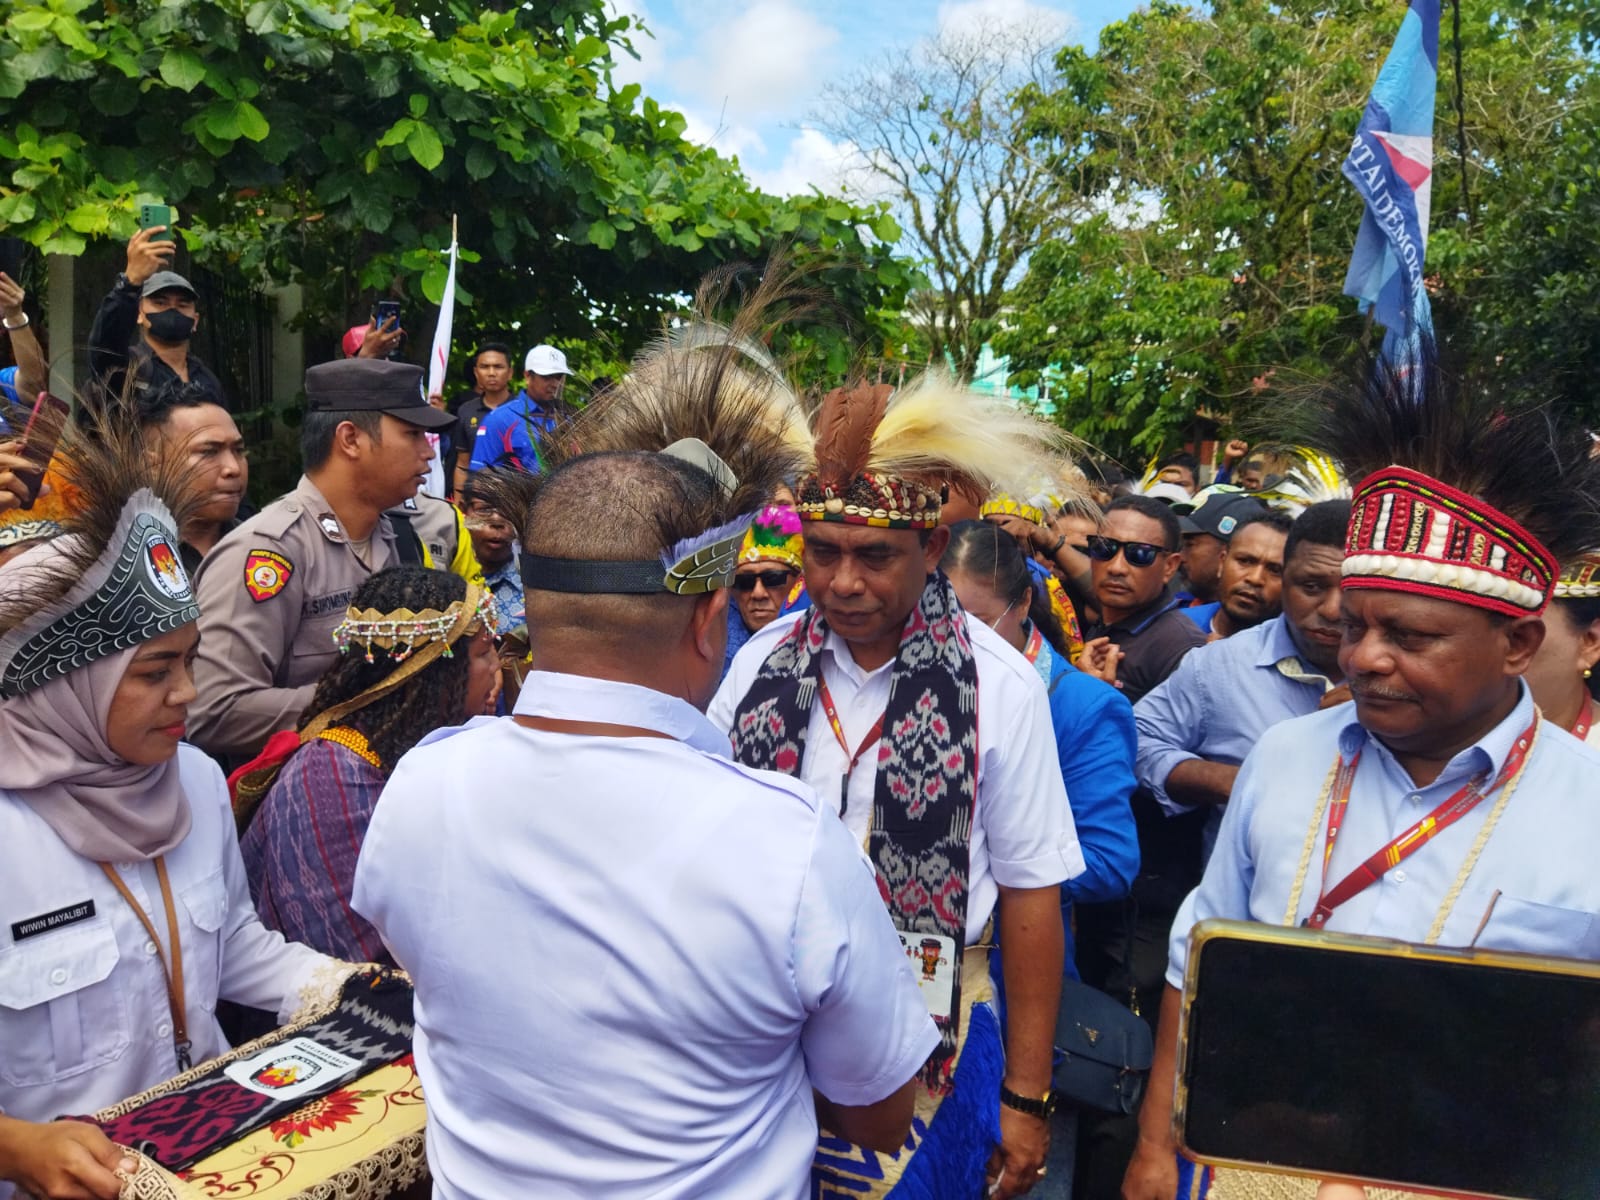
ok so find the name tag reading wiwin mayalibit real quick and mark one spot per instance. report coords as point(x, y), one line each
point(72, 914)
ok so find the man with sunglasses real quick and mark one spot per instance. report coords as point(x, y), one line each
point(1132, 562)
point(767, 583)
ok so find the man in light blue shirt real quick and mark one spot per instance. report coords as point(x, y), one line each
point(1197, 726)
point(1438, 808)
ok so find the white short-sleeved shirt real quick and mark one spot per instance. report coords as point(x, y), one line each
point(633, 957)
point(84, 1016)
point(1022, 832)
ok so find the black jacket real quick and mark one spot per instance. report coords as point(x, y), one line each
point(116, 350)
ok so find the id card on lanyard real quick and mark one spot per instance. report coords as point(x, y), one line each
point(934, 956)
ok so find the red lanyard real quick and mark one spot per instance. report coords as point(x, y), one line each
point(1449, 811)
point(1035, 642)
point(1580, 728)
point(873, 735)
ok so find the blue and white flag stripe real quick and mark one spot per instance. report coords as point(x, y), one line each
point(1391, 165)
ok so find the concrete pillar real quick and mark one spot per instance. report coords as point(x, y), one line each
point(288, 345)
point(64, 334)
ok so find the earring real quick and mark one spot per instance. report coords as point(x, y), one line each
point(1587, 672)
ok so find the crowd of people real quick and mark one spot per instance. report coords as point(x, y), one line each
point(748, 787)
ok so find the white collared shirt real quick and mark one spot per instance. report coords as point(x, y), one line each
point(84, 1016)
point(633, 957)
point(1022, 831)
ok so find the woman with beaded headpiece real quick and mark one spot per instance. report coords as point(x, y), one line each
point(416, 653)
point(121, 885)
point(1563, 672)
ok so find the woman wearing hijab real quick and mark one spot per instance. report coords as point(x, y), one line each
point(124, 913)
point(417, 654)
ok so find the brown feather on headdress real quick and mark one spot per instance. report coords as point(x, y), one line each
point(845, 424)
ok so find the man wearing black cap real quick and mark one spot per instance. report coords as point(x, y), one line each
point(1207, 522)
point(273, 589)
point(161, 305)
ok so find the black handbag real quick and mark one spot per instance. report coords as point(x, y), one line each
point(1103, 1051)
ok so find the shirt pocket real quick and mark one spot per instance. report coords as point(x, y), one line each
point(1533, 928)
point(206, 902)
point(61, 1012)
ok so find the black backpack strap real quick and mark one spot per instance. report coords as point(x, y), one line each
point(407, 542)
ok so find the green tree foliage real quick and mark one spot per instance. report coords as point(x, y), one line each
point(1211, 142)
point(329, 142)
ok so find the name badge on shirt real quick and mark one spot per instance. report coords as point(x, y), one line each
point(72, 914)
point(934, 958)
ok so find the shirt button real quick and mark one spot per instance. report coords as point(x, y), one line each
point(149, 947)
point(59, 975)
point(164, 1029)
point(1399, 876)
point(1416, 799)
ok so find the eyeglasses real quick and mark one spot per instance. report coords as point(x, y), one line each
point(771, 580)
point(1138, 554)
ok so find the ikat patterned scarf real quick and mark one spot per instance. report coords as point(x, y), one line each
point(927, 781)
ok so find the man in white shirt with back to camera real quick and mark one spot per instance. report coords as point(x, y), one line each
point(642, 970)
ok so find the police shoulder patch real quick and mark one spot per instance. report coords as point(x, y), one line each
point(266, 573)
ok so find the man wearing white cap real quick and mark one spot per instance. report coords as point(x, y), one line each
point(506, 436)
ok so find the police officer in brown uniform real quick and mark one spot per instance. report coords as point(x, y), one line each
point(272, 591)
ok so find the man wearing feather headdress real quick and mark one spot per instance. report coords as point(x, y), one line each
point(1439, 807)
point(642, 969)
point(932, 737)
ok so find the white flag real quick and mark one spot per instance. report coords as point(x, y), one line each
point(439, 362)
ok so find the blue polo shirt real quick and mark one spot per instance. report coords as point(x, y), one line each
point(506, 435)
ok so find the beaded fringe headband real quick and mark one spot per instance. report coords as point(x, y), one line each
point(415, 640)
point(403, 632)
point(1410, 533)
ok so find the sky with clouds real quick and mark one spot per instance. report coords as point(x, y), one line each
point(749, 73)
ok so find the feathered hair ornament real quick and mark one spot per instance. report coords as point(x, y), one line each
point(112, 577)
point(1467, 491)
point(1306, 477)
point(709, 394)
point(889, 458)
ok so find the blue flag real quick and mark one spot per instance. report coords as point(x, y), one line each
point(1391, 165)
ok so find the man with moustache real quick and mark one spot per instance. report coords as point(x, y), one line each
point(1196, 727)
point(1439, 808)
point(1251, 582)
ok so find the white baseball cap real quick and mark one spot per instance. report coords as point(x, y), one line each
point(546, 360)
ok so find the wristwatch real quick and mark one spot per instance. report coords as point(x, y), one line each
point(1023, 1104)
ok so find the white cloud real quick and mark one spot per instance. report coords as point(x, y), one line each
point(813, 159)
point(980, 18)
point(722, 135)
point(763, 59)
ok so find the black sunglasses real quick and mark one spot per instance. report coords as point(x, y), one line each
point(771, 580)
point(1138, 554)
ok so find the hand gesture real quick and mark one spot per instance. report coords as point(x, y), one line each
point(146, 257)
point(62, 1160)
point(378, 342)
point(1018, 1161)
point(1101, 659)
point(1025, 531)
point(1234, 451)
point(11, 297)
point(13, 492)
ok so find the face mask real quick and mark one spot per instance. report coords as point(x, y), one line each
point(170, 326)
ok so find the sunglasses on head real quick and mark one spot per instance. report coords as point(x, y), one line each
point(1138, 554)
point(771, 580)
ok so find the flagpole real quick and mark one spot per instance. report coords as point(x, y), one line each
point(1461, 118)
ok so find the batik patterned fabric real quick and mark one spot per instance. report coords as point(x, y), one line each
point(926, 768)
point(203, 1110)
point(1411, 533)
point(135, 591)
point(301, 848)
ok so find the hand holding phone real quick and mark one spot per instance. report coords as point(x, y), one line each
point(162, 216)
point(43, 433)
